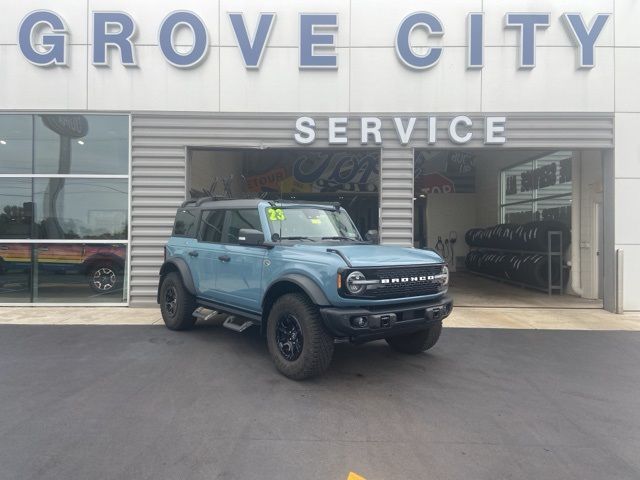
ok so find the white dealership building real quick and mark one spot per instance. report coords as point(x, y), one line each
point(427, 120)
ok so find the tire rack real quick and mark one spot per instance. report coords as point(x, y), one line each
point(551, 255)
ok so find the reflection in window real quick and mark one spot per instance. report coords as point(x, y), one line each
point(68, 273)
point(16, 145)
point(15, 273)
point(77, 144)
point(81, 208)
point(63, 208)
point(16, 209)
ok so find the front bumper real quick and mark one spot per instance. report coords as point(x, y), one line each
point(385, 321)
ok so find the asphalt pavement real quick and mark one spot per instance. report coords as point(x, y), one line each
point(141, 402)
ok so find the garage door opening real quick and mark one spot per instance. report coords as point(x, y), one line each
point(350, 177)
point(518, 228)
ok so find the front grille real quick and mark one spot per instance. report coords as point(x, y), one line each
point(403, 289)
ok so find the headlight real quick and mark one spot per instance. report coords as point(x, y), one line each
point(355, 283)
point(443, 277)
point(445, 274)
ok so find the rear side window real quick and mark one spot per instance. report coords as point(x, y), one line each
point(212, 224)
point(242, 219)
point(186, 224)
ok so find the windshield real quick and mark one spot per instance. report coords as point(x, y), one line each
point(314, 224)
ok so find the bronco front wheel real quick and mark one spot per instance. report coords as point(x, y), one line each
point(298, 343)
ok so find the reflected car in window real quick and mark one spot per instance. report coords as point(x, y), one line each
point(103, 265)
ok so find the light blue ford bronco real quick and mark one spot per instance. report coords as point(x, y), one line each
point(304, 275)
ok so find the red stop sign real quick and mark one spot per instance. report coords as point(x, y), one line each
point(435, 183)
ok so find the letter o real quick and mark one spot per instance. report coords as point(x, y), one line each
point(200, 46)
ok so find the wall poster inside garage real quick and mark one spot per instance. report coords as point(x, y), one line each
point(445, 172)
point(313, 171)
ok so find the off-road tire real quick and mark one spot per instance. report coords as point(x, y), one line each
point(177, 315)
point(417, 342)
point(317, 344)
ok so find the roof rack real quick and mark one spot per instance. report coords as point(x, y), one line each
point(216, 198)
point(197, 202)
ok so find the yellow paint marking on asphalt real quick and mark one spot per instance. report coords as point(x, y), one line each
point(355, 476)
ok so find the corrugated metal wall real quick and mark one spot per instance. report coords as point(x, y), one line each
point(160, 141)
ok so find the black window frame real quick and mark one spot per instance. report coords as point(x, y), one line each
point(227, 223)
point(201, 224)
point(197, 215)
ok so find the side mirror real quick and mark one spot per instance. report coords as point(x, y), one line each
point(373, 236)
point(250, 237)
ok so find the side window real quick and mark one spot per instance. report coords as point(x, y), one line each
point(242, 219)
point(185, 225)
point(212, 223)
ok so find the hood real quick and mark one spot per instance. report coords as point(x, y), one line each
point(378, 255)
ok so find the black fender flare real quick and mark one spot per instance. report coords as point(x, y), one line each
point(177, 263)
point(306, 284)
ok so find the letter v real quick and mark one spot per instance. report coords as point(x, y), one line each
point(404, 134)
point(252, 50)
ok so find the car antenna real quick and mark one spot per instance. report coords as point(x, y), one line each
point(280, 207)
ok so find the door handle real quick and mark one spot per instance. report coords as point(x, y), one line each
point(224, 258)
point(193, 253)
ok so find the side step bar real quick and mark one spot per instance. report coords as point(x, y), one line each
point(237, 324)
point(203, 313)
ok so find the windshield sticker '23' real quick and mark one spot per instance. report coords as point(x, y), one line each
point(276, 214)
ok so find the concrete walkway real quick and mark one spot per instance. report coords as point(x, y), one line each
point(463, 317)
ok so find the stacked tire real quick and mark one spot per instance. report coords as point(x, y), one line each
point(532, 236)
point(526, 263)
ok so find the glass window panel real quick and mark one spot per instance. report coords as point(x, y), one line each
point(554, 174)
point(16, 209)
point(186, 223)
point(77, 144)
point(558, 209)
point(517, 183)
point(249, 219)
point(212, 223)
point(16, 144)
point(548, 182)
point(80, 273)
point(81, 208)
point(521, 213)
point(15, 273)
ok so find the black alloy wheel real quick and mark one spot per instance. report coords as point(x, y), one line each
point(289, 337)
point(171, 300)
point(298, 342)
point(176, 303)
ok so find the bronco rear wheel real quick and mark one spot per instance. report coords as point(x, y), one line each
point(417, 342)
point(298, 343)
point(176, 303)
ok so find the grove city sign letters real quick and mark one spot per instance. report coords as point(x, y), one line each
point(459, 130)
point(43, 37)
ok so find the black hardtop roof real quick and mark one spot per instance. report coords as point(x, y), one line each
point(211, 204)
